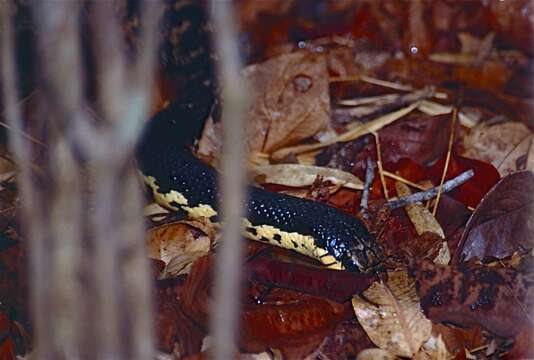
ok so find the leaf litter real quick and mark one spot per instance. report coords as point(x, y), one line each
point(408, 119)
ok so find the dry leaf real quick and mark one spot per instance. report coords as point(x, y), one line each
point(423, 221)
point(434, 349)
point(501, 144)
point(181, 264)
point(502, 223)
point(499, 299)
point(352, 134)
point(392, 316)
point(291, 102)
point(304, 175)
point(375, 354)
point(171, 240)
point(421, 218)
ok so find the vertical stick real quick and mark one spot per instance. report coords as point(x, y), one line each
point(225, 314)
point(447, 159)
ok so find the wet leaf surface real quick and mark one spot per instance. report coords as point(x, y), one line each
point(502, 223)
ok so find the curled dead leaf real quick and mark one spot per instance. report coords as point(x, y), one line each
point(391, 315)
point(304, 175)
point(179, 244)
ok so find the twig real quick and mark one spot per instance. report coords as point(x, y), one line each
point(430, 193)
point(403, 180)
point(379, 164)
point(225, 315)
point(447, 159)
point(369, 177)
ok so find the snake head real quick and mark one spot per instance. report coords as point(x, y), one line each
point(365, 259)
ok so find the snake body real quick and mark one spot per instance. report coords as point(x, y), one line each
point(180, 181)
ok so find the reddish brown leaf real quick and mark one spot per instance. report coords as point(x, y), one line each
point(523, 345)
point(7, 345)
point(451, 214)
point(458, 339)
point(419, 137)
point(290, 323)
point(344, 343)
point(473, 190)
point(502, 223)
point(335, 285)
point(498, 299)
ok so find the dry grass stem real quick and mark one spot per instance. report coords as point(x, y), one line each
point(379, 165)
point(447, 159)
point(403, 180)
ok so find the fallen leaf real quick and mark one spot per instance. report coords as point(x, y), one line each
point(304, 175)
point(289, 323)
point(179, 244)
point(523, 345)
point(501, 144)
point(351, 134)
point(344, 343)
point(335, 285)
point(456, 339)
point(423, 221)
point(419, 137)
point(498, 299)
point(433, 349)
point(375, 354)
point(421, 218)
point(391, 315)
point(502, 223)
point(471, 192)
point(291, 100)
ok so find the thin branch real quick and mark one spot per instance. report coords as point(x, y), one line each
point(369, 177)
point(379, 164)
point(225, 315)
point(430, 193)
point(447, 159)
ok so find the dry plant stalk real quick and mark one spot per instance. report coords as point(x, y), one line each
point(447, 159)
point(225, 313)
point(89, 277)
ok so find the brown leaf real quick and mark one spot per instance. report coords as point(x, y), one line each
point(502, 223)
point(499, 299)
point(290, 323)
point(332, 284)
point(304, 175)
point(291, 102)
point(420, 137)
point(391, 315)
point(458, 339)
point(501, 144)
point(346, 341)
point(179, 244)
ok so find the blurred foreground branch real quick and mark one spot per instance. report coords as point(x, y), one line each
point(91, 295)
point(225, 314)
